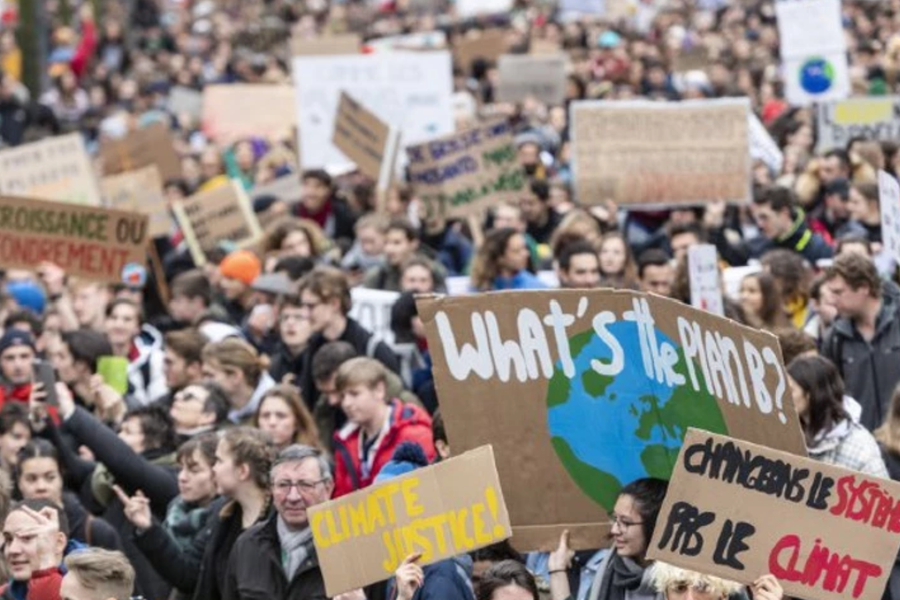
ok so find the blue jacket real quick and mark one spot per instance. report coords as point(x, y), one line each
point(449, 579)
point(523, 280)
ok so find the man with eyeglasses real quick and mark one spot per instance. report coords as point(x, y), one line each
point(277, 558)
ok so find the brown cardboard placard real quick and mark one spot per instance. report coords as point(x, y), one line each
point(738, 510)
point(223, 213)
point(140, 191)
point(89, 242)
point(540, 46)
point(56, 168)
point(236, 111)
point(489, 46)
point(452, 507)
point(662, 153)
point(361, 135)
point(345, 43)
point(528, 75)
point(151, 145)
point(588, 390)
point(463, 173)
point(690, 59)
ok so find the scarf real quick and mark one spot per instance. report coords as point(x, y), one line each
point(621, 575)
point(295, 546)
point(184, 521)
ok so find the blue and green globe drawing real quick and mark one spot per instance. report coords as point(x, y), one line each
point(609, 431)
point(816, 75)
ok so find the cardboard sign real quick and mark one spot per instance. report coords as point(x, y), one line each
point(364, 138)
point(372, 310)
point(889, 205)
point(331, 45)
point(813, 50)
point(592, 390)
point(450, 508)
point(737, 510)
point(423, 40)
point(461, 174)
point(88, 242)
point(873, 118)
point(222, 213)
point(410, 89)
point(238, 111)
point(540, 76)
point(140, 191)
point(185, 100)
point(706, 287)
point(152, 145)
point(489, 45)
point(56, 168)
point(656, 153)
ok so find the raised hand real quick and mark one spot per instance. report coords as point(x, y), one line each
point(137, 508)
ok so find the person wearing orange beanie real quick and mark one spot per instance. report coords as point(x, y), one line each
point(238, 270)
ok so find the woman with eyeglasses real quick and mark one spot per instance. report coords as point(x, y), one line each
point(624, 573)
point(175, 545)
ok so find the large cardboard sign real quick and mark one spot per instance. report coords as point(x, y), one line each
point(889, 207)
point(222, 213)
point(55, 169)
point(88, 242)
point(872, 118)
point(329, 45)
point(737, 510)
point(365, 139)
point(644, 152)
point(152, 145)
point(590, 390)
point(233, 112)
point(487, 45)
point(440, 511)
point(813, 50)
point(411, 90)
point(140, 191)
point(542, 77)
point(461, 174)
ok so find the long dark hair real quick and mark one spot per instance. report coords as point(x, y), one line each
point(819, 378)
point(504, 573)
point(36, 448)
point(772, 312)
point(648, 494)
point(486, 264)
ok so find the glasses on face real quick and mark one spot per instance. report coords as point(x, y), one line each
point(623, 524)
point(304, 487)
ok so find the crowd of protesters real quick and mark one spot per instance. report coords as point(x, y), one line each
point(252, 394)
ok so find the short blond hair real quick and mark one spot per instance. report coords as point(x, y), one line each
point(106, 573)
point(664, 576)
point(360, 371)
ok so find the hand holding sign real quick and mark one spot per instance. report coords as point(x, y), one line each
point(409, 577)
point(767, 588)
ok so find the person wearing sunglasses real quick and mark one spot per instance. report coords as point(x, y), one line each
point(624, 573)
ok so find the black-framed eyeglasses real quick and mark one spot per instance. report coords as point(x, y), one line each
point(623, 523)
point(304, 487)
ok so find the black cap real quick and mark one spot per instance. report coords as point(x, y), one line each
point(839, 186)
point(16, 337)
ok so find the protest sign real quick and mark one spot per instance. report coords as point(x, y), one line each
point(642, 152)
point(140, 191)
point(453, 507)
point(409, 89)
point(220, 214)
point(706, 288)
point(423, 40)
point(762, 146)
point(330, 45)
point(55, 168)
point(737, 510)
point(813, 50)
point(488, 45)
point(694, 58)
point(372, 309)
point(527, 75)
point(286, 189)
point(365, 139)
point(185, 100)
point(872, 118)
point(235, 111)
point(460, 174)
point(152, 145)
point(543, 377)
point(889, 205)
point(472, 8)
point(88, 242)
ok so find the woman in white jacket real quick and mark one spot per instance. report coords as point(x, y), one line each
point(143, 348)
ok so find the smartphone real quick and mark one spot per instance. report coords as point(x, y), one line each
point(44, 373)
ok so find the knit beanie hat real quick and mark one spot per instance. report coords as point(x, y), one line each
point(242, 265)
point(408, 457)
point(28, 294)
point(15, 337)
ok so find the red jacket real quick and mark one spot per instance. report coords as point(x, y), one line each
point(409, 423)
point(21, 393)
point(43, 585)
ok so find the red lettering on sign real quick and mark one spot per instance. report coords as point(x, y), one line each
point(838, 570)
